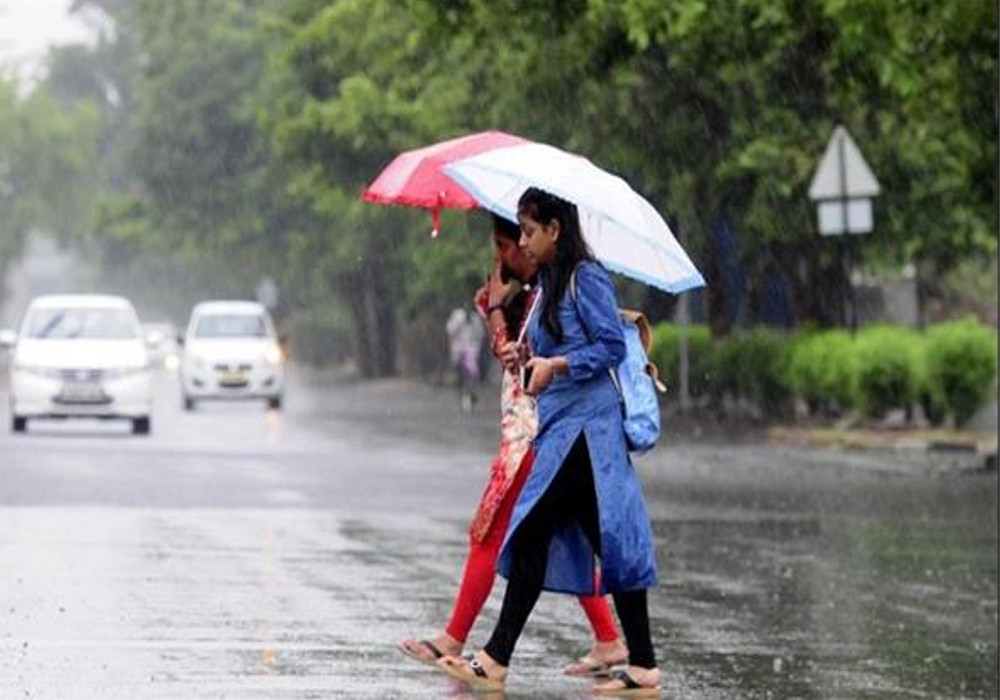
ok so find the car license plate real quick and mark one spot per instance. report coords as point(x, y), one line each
point(233, 380)
point(82, 392)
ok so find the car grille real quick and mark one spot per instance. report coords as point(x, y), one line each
point(82, 375)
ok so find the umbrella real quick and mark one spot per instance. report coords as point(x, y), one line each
point(415, 178)
point(623, 230)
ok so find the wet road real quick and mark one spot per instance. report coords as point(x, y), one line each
point(250, 554)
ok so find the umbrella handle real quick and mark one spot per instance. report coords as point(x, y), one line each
point(527, 316)
point(435, 222)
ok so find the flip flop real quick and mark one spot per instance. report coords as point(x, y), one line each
point(588, 666)
point(471, 673)
point(630, 687)
point(431, 660)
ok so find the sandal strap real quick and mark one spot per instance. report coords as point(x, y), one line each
point(432, 648)
point(477, 667)
point(620, 674)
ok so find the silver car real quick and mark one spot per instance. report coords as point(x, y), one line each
point(79, 356)
point(231, 352)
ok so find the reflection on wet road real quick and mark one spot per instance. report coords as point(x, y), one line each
point(241, 553)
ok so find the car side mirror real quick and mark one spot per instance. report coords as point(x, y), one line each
point(7, 338)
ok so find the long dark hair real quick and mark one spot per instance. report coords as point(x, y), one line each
point(517, 306)
point(505, 227)
point(571, 249)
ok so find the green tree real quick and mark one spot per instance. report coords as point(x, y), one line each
point(46, 154)
point(360, 82)
point(247, 130)
point(720, 111)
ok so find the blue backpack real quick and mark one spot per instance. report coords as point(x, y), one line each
point(637, 380)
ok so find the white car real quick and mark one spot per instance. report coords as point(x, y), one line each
point(231, 351)
point(80, 356)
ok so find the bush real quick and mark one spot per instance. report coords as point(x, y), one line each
point(753, 366)
point(950, 370)
point(665, 352)
point(930, 400)
point(822, 370)
point(960, 363)
point(887, 370)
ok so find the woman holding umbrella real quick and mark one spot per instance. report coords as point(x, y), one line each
point(582, 499)
point(504, 311)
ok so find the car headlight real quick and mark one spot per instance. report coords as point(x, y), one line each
point(50, 372)
point(273, 355)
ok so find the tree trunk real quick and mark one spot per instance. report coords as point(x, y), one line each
point(369, 297)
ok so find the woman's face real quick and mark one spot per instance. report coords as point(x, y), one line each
point(513, 259)
point(538, 240)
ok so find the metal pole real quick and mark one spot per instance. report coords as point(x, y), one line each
point(683, 317)
point(851, 299)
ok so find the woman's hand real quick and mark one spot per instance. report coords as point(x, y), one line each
point(509, 355)
point(497, 290)
point(542, 372)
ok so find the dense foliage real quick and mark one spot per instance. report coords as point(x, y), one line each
point(227, 140)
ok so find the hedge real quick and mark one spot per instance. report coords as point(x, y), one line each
point(665, 353)
point(753, 366)
point(823, 370)
point(886, 369)
point(961, 363)
point(949, 370)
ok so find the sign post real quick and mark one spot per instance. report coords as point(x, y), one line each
point(843, 187)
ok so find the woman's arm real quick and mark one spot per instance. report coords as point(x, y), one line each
point(594, 298)
point(597, 307)
point(490, 300)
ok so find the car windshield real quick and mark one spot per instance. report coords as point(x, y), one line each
point(231, 326)
point(82, 323)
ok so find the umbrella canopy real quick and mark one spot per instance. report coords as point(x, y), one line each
point(415, 177)
point(623, 230)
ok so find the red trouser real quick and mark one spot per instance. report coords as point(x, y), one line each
point(480, 571)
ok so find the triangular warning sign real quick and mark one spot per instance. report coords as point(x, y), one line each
point(843, 171)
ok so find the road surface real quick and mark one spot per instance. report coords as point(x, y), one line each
point(244, 553)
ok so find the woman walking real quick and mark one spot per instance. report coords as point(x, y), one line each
point(504, 311)
point(582, 499)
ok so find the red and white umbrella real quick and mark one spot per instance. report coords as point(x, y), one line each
point(416, 178)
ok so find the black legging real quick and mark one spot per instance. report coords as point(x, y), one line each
point(571, 495)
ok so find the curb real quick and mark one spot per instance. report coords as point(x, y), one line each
point(981, 450)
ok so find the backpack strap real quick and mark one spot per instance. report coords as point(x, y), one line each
point(639, 320)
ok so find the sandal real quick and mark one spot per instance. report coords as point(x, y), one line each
point(630, 687)
point(415, 648)
point(588, 666)
point(469, 670)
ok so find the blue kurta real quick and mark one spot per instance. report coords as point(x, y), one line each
point(585, 400)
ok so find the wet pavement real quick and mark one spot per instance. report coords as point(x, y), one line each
point(240, 553)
